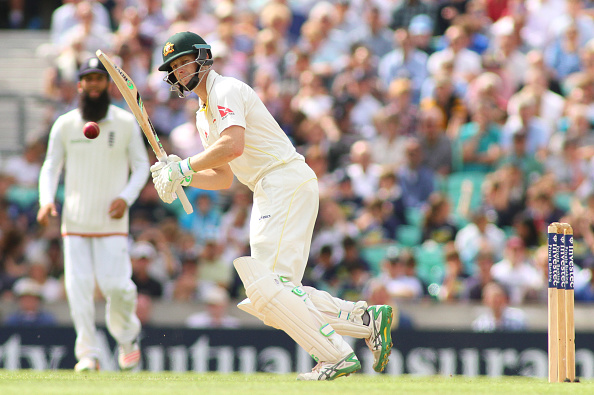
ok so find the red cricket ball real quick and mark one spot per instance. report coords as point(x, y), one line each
point(91, 130)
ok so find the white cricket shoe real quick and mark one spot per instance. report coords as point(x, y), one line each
point(87, 364)
point(330, 371)
point(380, 341)
point(129, 356)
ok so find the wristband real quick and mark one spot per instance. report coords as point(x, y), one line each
point(185, 168)
point(186, 181)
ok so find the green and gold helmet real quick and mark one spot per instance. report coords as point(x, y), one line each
point(180, 44)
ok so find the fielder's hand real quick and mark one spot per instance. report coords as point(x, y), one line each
point(45, 212)
point(167, 176)
point(117, 208)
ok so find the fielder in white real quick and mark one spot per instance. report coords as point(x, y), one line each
point(103, 177)
point(242, 138)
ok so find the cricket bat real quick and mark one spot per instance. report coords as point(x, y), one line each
point(132, 96)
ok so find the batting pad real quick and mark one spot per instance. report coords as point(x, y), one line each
point(345, 317)
point(288, 309)
point(247, 306)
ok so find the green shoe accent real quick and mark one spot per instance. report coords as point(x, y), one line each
point(352, 365)
point(381, 319)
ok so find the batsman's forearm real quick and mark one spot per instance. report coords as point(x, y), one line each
point(213, 179)
point(223, 151)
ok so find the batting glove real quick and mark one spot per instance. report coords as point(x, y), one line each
point(168, 175)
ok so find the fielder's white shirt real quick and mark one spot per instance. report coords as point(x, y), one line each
point(113, 165)
point(232, 102)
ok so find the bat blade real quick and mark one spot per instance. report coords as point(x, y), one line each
point(132, 97)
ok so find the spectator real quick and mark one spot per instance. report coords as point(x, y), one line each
point(317, 159)
point(527, 163)
point(332, 228)
point(185, 138)
point(528, 122)
point(235, 224)
point(65, 17)
point(397, 275)
point(12, 256)
point(405, 61)
point(452, 286)
point(388, 146)
point(205, 223)
point(376, 292)
point(505, 50)
point(479, 140)
point(90, 34)
point(142, 254)
point(373, 34)
point(416, 180)
point(504, 192)
point(550, 105)
point(435, 144)
point(403, 100)
point(144, 309)
point(322, 271)
point(350, 203)
point(421, 33)
point(215, 315)
point(574, 11)
point(481, 233)
point(352, 258)
point(30, 312)
point(363, 172)
point(438, 224)
point(52, 289)
point(517, 272)
point(525, 227)
point(448, 101)
point(467, 64)
point(186, 287)
point(473, 286)
point(499, 317)
point(404, 13)
point(563, 54)
point(212, 269)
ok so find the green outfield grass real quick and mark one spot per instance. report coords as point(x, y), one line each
point(25, 382)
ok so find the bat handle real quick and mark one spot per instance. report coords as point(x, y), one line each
point(184, 199)
point(179, 191)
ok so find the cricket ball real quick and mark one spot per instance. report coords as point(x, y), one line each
point(91, 130)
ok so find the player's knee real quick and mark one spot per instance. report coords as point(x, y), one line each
point(118, 289)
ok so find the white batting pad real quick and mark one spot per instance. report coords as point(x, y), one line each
point(247, 306)
point(286, 306)
point(345, 317)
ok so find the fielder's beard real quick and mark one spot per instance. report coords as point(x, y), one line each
point(94, 109)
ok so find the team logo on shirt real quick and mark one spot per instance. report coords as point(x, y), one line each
point(224, 111)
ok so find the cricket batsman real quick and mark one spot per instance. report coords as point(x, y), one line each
point(242, 139)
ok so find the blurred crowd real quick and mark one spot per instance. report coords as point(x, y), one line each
point(446, 135)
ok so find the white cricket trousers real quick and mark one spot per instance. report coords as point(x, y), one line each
point(284, 213)
point(106, 261)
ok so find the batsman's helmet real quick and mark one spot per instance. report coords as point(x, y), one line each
point(180, 44)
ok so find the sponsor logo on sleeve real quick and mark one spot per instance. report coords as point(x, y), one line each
point(224, 111)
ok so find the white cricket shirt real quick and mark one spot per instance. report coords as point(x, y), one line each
point(232, 102)
point(113, 165)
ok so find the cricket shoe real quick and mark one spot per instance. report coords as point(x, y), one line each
point(380, 341)
point(87, 364)
point(129, 356)
point(330, 371)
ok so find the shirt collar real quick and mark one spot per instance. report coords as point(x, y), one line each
point(210, 78)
